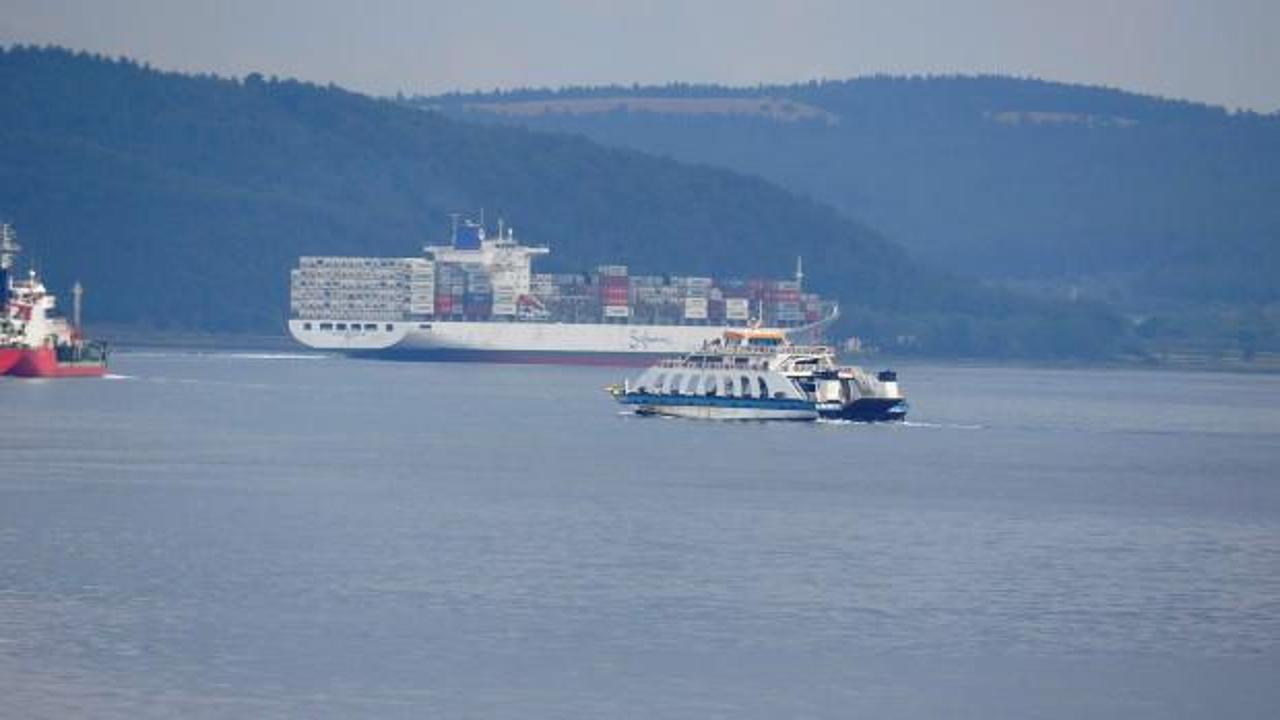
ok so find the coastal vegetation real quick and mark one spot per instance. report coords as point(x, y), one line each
point(1167, 211)
point(181, 202)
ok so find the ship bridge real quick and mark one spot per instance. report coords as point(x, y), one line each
point(507, 262)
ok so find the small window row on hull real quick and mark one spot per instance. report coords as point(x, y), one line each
point(348, 327)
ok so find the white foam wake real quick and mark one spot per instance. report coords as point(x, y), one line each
point(941, 426)
point(276, 356)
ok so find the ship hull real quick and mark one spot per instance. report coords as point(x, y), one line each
point(869, 410)
point(507, 342)
point(718, 408)
point(8, 358)
point(44, 363)
point(514, 357)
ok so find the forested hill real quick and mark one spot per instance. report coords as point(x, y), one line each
point(1136, 199)
point(182, 201)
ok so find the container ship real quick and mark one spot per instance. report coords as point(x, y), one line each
point(478, 299)
point(35, 341)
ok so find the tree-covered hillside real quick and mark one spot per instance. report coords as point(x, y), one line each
point(182, 201)
point(1134, 198)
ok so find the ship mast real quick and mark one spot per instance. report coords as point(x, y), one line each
point(453, 235)
point(77, 295)
point(9, 247)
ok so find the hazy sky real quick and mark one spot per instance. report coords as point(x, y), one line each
point(1220, 51)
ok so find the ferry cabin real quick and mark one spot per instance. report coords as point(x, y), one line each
point(740, 378)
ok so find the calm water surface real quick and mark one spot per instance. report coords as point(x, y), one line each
point(253, 535)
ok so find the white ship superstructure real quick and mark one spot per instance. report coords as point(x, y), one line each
point(478, 298)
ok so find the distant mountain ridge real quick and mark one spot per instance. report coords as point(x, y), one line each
point(181, 202)
point(766, 107)
point(997, 177)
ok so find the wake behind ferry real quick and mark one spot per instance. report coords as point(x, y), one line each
point(478, 299)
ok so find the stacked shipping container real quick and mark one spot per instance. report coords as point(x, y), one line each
point(341, 288)
point(615, 291)
point(345, 288)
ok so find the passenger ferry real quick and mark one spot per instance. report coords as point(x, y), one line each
point(756, 374)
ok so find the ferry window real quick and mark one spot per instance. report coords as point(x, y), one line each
point(660, 383)
point(746, 386)
point(728, 386)
point(710, 386)
point(390, 327)
point(326, 326)
point(341, 326)
point(370, 326)
point(674, 387)
point(741, 360)
point(764, 387)
point(306, 326)
point(695, 381)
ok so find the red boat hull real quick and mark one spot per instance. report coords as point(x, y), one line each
point(43, 363)
point(8, 358)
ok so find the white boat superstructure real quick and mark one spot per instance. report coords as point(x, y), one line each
point(755, 374)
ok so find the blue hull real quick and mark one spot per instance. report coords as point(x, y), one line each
point(863, 410)
point(641, 399)
point(869, 410)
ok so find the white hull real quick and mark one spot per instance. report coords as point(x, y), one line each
point(516, 338)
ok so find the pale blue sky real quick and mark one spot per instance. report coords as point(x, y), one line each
point(1224, 52)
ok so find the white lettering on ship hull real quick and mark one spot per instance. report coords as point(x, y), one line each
point(645, 343)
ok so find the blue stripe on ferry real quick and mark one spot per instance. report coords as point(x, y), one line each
point(715, 401)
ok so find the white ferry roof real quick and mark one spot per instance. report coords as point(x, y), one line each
point(755, 337)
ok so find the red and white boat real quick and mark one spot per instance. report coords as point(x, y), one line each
point(35, 341)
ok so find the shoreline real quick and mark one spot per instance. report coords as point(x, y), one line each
point(125, 340)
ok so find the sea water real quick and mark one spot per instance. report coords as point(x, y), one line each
point(278, 535)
